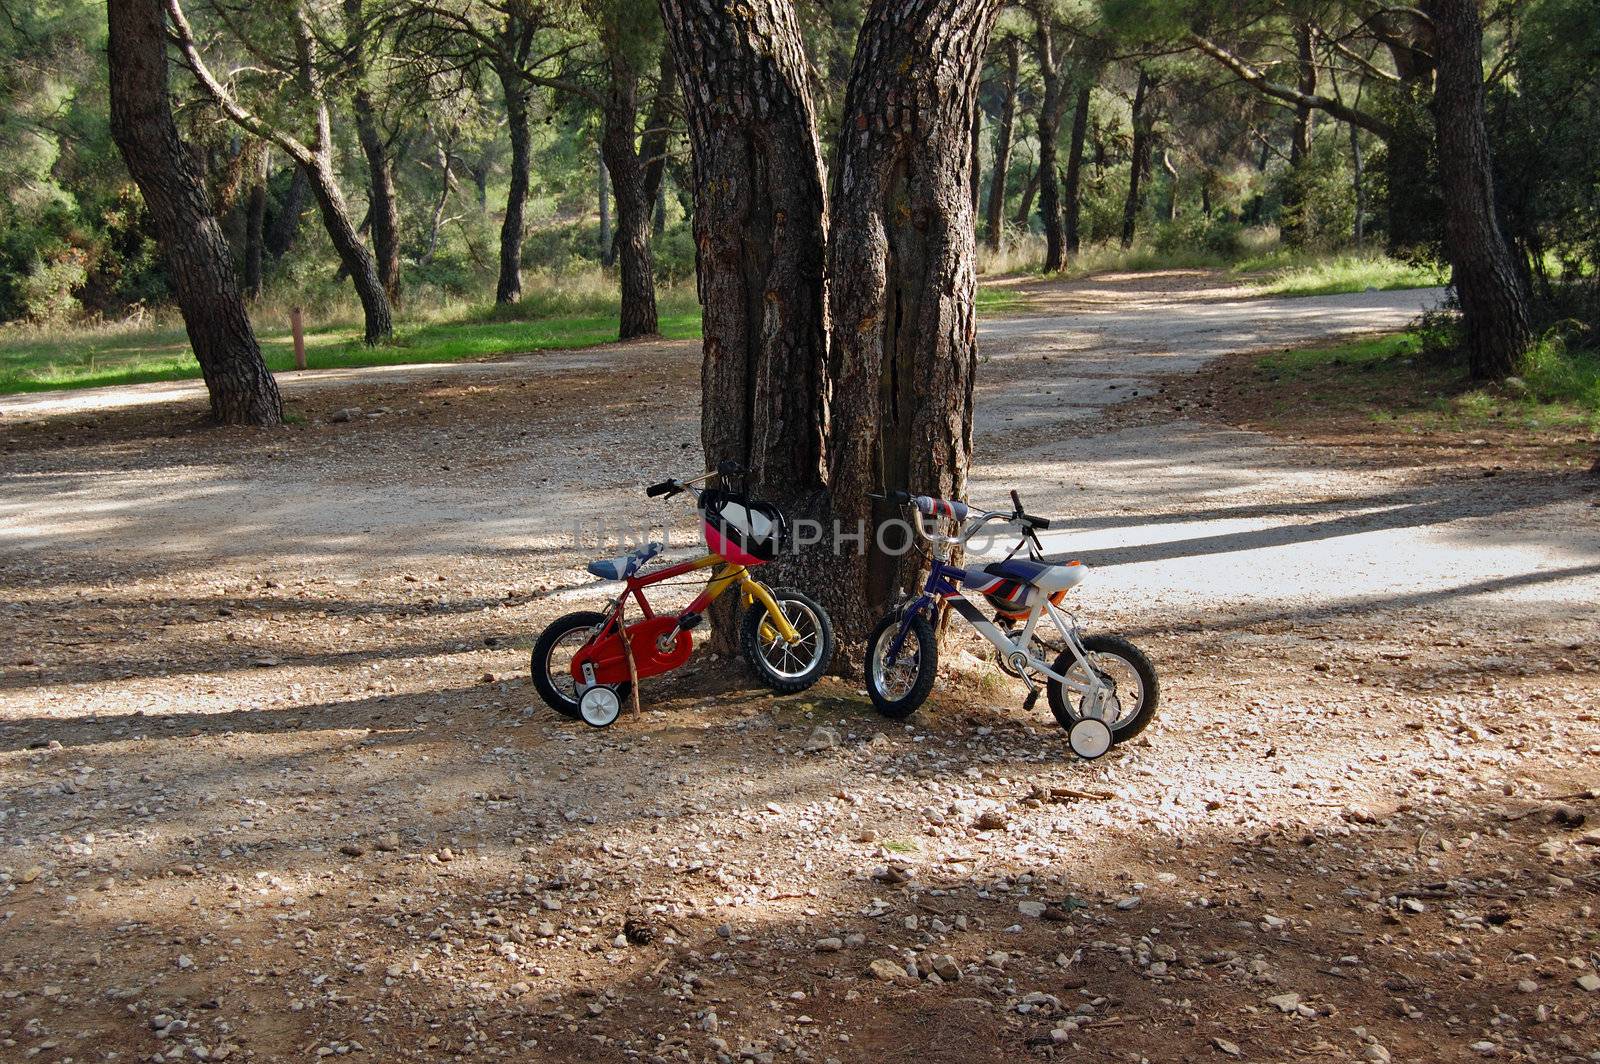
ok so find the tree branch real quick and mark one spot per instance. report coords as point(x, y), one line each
point(1286, 95)
point(183, 36)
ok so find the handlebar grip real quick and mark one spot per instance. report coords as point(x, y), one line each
point(1016, 500)
point(666, 487)
point(1036, 522)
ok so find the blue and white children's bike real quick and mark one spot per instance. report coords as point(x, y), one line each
point(1102, 689)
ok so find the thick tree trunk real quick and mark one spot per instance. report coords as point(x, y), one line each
point(1072, 194)
point(285, 227)
point(200, 266)
point(1494, 304)
point(509, 288)
point(628, 178)
point(1049, 122)
point(994, 224)
point(760, 245)
point(383, 209)
point(1139, 164)
point(904, 347)
point(255, 221)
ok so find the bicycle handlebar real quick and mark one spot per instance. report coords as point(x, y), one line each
point(725, 468)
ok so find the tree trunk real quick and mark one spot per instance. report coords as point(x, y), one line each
point(1072, 194)
point(760, 246)
point(994, 225)
point(255, 220)
point(357, 261)
point(383, 208)
point(1139, 164)
point(285, 227)
point(1049, 123)
point(1172, 185)
point(602, 184)
point(904, 349)
point(509, 288)
point(1292, 223)
point(1494, 304)
point(657, 137)
point(1025, 208)
point(443, 159)
point(200, 266)
point(619, 117)
point(1357, 179)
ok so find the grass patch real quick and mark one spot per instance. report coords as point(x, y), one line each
point(1343, 273)
point(999, 300)
point(1390, 380)
point(555, 315)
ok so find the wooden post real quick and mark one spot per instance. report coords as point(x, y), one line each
point(297, 329)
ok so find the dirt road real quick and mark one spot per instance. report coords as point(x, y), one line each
point(275, 787)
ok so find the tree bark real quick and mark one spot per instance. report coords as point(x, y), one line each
point(994, 224)
point(241, 388)
point(1049, 123)
point(1139, 164)
point(760, 246)
point(904, 349)
point(516, 93)
point(1072, 193)
point(619, 116)
point(1494, 304)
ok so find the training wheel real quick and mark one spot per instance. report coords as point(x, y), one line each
point(1089, 738)
point(599, 706)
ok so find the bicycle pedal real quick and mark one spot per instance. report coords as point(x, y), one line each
point(688, 621)
point(1032, 699)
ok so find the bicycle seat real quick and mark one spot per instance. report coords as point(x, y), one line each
point(625, 566)
point(1047, 578)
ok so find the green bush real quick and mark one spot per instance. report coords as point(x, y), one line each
point(674, 252)
point(48, 294)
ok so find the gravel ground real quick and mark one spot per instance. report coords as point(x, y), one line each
point(275, 787)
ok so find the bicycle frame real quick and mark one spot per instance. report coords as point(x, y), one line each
point(942, 589)
point(731, 574)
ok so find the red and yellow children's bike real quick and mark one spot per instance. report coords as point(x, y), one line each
point(586, 664)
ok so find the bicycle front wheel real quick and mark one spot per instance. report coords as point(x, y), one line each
point(899, 687)
point(784, 666)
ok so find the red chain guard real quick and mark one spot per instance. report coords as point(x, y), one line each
point(611, 662)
